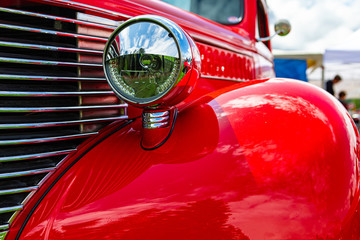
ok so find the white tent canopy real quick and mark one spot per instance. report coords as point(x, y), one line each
point(342, 58)
point(348, 51)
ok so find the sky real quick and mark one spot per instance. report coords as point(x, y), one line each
point(316, 24)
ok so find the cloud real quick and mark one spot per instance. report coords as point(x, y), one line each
point(316, 24)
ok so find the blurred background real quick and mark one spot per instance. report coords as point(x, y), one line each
point(325, 38)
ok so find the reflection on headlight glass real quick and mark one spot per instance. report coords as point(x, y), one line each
point(143, 61)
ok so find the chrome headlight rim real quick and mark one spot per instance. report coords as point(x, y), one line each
point(185, 59)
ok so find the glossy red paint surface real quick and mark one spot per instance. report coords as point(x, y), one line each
point(242, 163)
point(154, 137)
point(220, 63)
point(258, 160)
point(205, 29)
point(223, 48)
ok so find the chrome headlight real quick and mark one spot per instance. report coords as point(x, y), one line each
point(149, 61)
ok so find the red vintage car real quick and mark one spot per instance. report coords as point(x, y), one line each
point(164, 120)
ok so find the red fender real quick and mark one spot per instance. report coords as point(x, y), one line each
point(270, 159)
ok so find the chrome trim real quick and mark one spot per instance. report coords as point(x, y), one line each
point(62, 123)
point(45, 139)
point(13, 216)
point(83, 44)
point(51, 94)
point(35, 155)
point(223, 78)
point(3, 234)
point(3, 227)
point(52, 32)
point(182, 61)
point(49, 78)
point(63, 19)
point(47, 47)
point(88, 7)
point(60, 109)
point(155, 125)
point(29, 196)
point(98, 20)
point(153, 120)
point(156, 120)
point(50, 63)
point(18, 190)
point(25, 173)
point(11, 209)
point(192, 32)
point(156, 114)
point(265, 39)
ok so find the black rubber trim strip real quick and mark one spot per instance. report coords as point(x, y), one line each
point(171, 130)
point(63, 173)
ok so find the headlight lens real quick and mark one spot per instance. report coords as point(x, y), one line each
point(145, 58)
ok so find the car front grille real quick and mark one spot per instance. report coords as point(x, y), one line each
point(53, 94)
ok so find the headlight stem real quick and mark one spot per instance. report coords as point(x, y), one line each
point(157, 127)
